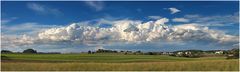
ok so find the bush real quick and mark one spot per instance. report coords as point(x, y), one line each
point(4, 58)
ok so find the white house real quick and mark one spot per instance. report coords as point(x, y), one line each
point(219, 52)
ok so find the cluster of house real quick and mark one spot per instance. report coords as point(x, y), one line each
point(185, 53)
point(212, 52)
point(182, 53)
point(198, 53)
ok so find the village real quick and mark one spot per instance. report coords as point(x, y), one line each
point(233, 53)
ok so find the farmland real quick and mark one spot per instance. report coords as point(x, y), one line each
point(108, 62)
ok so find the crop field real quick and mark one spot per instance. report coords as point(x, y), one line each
point(116, 62)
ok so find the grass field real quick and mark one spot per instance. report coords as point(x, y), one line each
point(103, 62)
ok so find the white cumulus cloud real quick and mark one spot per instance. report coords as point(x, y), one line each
point(97, 5)
point(135, 31)
point(129, 31)
point(154, 17)
point(180, 20)
point(174, 10)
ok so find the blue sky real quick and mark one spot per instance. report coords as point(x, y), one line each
point(30, 18)
point(79, 11)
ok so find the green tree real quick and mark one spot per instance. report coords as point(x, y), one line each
point(233, 54)
point(89, 52)
point(6, 51)
point(29, 51)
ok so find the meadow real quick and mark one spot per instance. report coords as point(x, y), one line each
point(116, 62)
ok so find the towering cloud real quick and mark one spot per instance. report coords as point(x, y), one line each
point(122, 31)
point(135, 31)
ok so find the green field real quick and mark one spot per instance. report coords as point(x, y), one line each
point(119, 62)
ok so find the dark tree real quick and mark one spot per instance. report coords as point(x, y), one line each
point(6, 51)
point(115, 51)
point(236, 53)
point(149, 53)
point(100, 51)
point(105, 51)
point(233, 54)
point(29, 51)
point(138, 52)
point(89, 52)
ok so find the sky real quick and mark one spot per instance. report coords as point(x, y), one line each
point(78, 26)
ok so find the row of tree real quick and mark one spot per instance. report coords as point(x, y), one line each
point(231, 54)
point(25, 51)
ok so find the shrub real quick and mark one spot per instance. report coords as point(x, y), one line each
point(4, 58)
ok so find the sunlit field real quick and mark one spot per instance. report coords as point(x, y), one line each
point(116, 62)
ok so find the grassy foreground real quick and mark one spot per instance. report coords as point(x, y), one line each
point(108, 62)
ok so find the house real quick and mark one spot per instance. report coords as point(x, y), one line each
point(219, 52)
point(188, 53)
point(179, 53)
point(166, 53)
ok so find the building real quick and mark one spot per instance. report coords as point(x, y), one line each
point(219, 52)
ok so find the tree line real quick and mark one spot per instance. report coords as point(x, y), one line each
point(29, 51)
point(230, 54)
